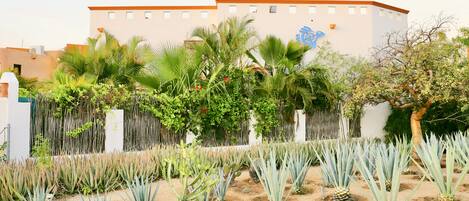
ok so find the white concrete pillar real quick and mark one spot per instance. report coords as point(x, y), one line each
point(373, 120)
point(254, 139)
point(17, 116)
point(190, 137)
point(114, 131)
point(300, 126)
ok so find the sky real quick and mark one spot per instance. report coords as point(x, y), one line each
point(54, 23)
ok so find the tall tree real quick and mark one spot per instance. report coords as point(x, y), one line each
point(414, 69)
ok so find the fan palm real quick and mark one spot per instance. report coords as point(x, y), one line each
point(288, 79)
point(105, 59)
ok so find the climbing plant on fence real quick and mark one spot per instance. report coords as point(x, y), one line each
point(53, 126)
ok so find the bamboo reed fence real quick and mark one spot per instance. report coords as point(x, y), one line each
point(45, 122)
point(142, 130)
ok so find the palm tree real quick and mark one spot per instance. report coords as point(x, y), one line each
point(225, 45)
point(288, 80)
point(172, 71)
point(105, 59)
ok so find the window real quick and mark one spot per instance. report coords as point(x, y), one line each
point(363, 10)
point(273, 9)
point(351, 10)
point(186, 15)
point(232, 9)
point(147, 15)
point(292, 9)
point(253, 9)
point(167, 14)
point(381, 12)
point(312, 9)
point(331, 10)
point(111, 15)
point(130, 15)
point(17, 68)
point(204, 14)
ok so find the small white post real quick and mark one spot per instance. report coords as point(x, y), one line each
point(16, 116)
point(254, 139)
point(190, 137)
point(114, 131)
point(300, 126)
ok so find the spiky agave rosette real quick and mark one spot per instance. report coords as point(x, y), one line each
point(430, 153)
point(337, 165)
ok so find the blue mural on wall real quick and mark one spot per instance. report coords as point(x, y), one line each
point(309, 37)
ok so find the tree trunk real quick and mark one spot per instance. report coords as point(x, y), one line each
point(415, 119)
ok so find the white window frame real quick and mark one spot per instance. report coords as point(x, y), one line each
point(111, 15)
point(292, 9)
point(331, 9)
point(130, 15)
point(252, 9)
point(147, 15)
point(273, 9)
point(351, 10)
point(185, 15)
point(232, 9)
point(363, 10)
point(166, 14)
point(312, 9)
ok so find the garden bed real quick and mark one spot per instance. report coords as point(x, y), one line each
point(244, 189)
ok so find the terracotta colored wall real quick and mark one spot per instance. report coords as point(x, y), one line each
point(41, 67)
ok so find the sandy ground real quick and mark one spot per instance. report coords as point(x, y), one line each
point(243, 189)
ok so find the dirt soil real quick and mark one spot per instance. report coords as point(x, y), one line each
point(244, 189)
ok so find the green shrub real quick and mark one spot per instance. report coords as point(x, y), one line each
point(42, 151)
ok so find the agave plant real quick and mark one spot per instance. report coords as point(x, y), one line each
point(224, 181)
point(431, 153)
point(69, 175)
point(39, 194)
point(388, 161)
point(298, 164)
point(367, 152)
point(337, 167)
point(273, 179)
point(389, 153)
point(460, 142)
point(141, 190)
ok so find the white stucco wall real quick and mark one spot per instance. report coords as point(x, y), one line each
point(374, 119)
point(3, 118)
point(20, 123)
point(17, 116)
point(114, 131)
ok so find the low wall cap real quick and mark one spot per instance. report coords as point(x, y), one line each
point(8, 77)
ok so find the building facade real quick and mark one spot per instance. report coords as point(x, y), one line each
point(29, 62)
point(351, 27)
